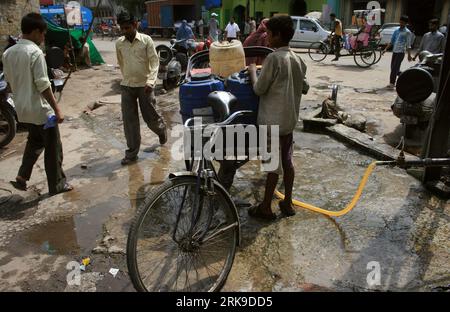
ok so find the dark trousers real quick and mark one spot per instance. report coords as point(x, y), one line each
point(337, 46)
point(49, 141)
point(396, 63)
point(228, 170)
point(130, 116)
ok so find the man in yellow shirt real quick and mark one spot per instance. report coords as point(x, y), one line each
point(139, 63)
point(336, 32)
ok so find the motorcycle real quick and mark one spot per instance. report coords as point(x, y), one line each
point(416, 89)
point(174, 59)
point(8, 123)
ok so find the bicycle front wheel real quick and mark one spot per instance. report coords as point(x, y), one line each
point(318, 51)
point(175, 246)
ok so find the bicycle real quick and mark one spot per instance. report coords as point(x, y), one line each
point(364, 56)
point(184, 236)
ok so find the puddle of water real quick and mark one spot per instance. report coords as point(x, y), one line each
point(54, 238)
point(72, 235)
point(89, 226)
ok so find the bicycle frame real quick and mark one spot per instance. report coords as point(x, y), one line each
point(203, 169)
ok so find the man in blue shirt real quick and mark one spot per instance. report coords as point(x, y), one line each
point(401, 43)
point(185, 33)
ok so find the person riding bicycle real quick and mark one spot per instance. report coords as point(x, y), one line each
point(336, 35)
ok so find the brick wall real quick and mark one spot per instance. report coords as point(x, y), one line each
point(11, 13)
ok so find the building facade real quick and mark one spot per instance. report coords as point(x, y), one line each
point(11, 13)
point(241, 9)
point(418, 11)
point(108, 9)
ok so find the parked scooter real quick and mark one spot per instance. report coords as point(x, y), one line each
point(174, 59)
point(8, 124)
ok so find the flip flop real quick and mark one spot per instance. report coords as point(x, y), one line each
point(22, 186)
point(255, 212)
point(286, 210)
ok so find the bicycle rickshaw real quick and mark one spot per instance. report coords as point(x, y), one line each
point(365, 54)
point(184, 236)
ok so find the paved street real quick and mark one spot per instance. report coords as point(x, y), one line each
point(397, 222)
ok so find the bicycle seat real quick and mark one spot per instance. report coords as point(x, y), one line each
point(222, 103)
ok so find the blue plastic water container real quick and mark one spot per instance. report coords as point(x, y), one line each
point(194, 95)
point(240, 86)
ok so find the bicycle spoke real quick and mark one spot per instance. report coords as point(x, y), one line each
point(199, 259)
point(219, 232)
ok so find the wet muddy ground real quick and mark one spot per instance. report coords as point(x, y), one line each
point(397, 223)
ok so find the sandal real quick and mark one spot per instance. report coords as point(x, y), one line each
point(286, 209)
point(67, 188)
point(255, 212)
point(20, 185)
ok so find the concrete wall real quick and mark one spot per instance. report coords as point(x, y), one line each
point(11, 13)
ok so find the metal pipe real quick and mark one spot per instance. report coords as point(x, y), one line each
point(426, 162)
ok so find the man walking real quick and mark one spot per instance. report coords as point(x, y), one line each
point(214, 28)
point(200, 25)
point(246, 29)
point(26, 72)
point(139, 63)
point(401, 42)
point(432, 41)
point(336, 32)
point(232, 30)
point(252, 25)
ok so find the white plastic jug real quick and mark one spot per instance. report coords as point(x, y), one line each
point(226, 58)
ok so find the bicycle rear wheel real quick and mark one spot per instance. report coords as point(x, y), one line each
point(379, 55)
point(318, 51)
point(162, 258)
point(365, 59)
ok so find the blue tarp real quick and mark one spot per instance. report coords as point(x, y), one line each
point(52, 10)
point(211, 4)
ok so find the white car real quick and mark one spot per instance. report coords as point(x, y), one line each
point(387, 30)
point(307, 31)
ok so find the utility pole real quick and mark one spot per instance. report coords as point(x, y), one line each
point(70, 37)
point(92, 21)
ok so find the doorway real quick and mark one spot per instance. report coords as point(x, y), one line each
point(239, 16)
point(298, 8)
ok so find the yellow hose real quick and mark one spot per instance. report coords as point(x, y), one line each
point(344, 211)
